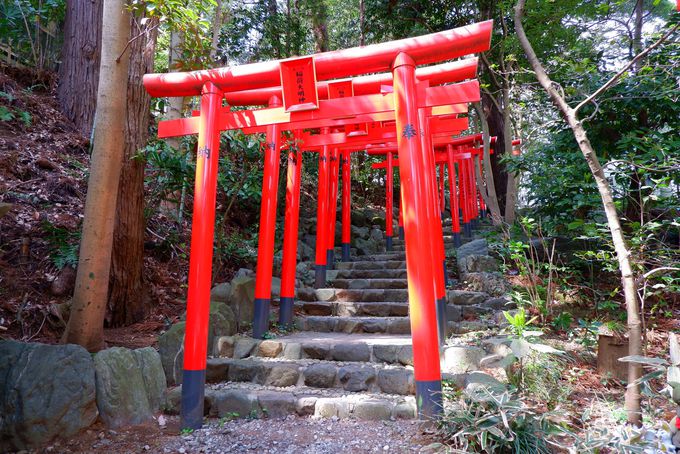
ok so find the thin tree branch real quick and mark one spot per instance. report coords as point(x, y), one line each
point(618, 75)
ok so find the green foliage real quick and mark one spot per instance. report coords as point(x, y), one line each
point(563, 321)
point(487, 418)
point(29, 31)
point(62, 244)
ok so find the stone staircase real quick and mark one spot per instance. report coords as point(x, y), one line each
point(349, 357)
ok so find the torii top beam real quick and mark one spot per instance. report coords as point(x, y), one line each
point(365, 85)
point(435, 47)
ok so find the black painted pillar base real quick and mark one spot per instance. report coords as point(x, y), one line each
point(320, 276)
point(467, 230)
point(429, 398)
point(482, 213)
point(443, 214)
point(401, 233)
point(286, 310)
point(388, 243)
point(345, 252)
point(193, 394)
point(330, 259)
point(261, 317)
point(442, 322)
point(456, 240)
point(446, 274)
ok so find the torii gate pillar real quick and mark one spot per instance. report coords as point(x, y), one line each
point(415, 179)
point(200, 260)
point(290, 237)
point(265, 246)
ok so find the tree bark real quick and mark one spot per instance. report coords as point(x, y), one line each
point(488, 191)
point(79, 68)
point(85, 325)
point(494, 118)
point(632, 398)
point(128, 299)
point(512, 188)
point(319, 24)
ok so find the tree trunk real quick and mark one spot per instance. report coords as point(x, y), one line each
point(79, 69)
point(128, 300)
point(632, 399)
point(511, 190)
point(489, 191)
point(319, 24)
point(362, 23)
point(85, 325)
point(216, 28)
point(494, 118)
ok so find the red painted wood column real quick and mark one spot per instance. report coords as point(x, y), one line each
point(474, 193)
point(416, 176)
point(482, 205)
point(290, 237)
point(265, 244)
point(442, 193)
point(389, 203)
point(322, 216)
point(401, 219)
point(200, 260)
point(332, 207)
point(464, 196)
point(440, 275)
point(455, 216)
point(346, 204)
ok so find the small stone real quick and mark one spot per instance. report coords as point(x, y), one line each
point(373, 410)
point(320, 375)
point(316, 351)
point(282, 375)
point(305, 405)
point(356, 378)
point(244, 347)
point(358, 352)
point(396, 381)
point(224, 346)
point(270, 348)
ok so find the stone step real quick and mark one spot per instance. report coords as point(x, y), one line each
point(340, 324)
point(369, 294)
point(372, 265)
point(388, 256)
point(370, 274)
point(370, 283)
point(248, 400)
point(354, 309)
point(364, 348)
point(353, 374)
point(380, 348)
point(387, 325)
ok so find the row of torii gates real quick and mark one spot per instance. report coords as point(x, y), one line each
point(406, 114)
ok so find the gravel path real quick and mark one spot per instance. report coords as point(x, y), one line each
point(290, 436)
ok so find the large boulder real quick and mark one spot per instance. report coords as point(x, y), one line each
point(477, 263)
point(46, 391)
point(242, 297)
point(475, 247)
point(130, 385)
point(492, 283)
point(367, 247)
point(305, 251)
point(222, 322)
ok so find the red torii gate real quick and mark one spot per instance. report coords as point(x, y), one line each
point(402, 57)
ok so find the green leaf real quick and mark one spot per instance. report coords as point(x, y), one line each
point(645, 360)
